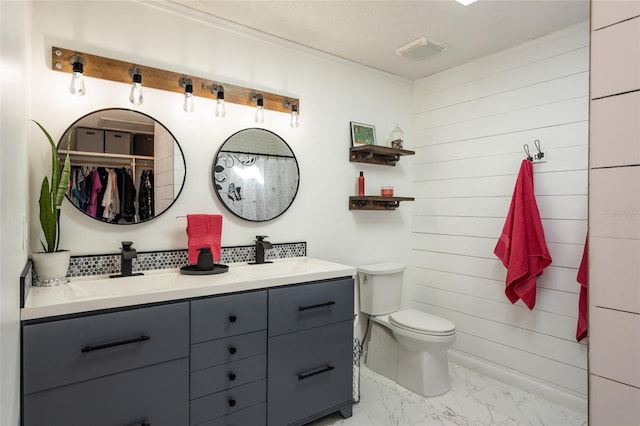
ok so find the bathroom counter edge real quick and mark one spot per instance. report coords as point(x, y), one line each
point(43, 302)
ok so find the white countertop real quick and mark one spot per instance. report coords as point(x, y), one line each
point(101, 292)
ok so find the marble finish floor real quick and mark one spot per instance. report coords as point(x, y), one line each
point(474, 400)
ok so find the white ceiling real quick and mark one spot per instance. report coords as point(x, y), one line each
point(368, 32)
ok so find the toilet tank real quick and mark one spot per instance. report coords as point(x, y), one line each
point(380, 287)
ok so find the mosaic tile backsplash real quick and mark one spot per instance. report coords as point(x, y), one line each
point(107, 264)
point(82, 266)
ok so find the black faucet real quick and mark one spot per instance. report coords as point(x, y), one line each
point(127, 254)
point(261, 245)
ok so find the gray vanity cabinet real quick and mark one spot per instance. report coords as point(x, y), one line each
point(276, 357)
point(116, 368)
point(228, 382)
point(310, 345)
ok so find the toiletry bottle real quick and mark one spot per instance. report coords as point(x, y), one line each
point(361, 185)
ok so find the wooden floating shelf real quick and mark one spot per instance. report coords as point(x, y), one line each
point(376, 154)
point(373, 202)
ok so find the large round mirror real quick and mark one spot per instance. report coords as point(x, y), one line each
point(126, 167)
point(256, 175)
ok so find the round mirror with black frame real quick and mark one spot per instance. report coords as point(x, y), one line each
point(126, 167)
point(255, 175)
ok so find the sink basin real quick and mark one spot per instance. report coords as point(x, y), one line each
point(158, 282)
point(275, 269)
point(169, 281)
point(121, 286)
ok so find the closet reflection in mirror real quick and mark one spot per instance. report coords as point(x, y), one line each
point(126, 167)
point(256, 175)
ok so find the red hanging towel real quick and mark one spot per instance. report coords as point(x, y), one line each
point(521, 246)
point(582, 278)
point(204, 230)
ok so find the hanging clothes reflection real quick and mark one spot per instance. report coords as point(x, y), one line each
point(109, 194)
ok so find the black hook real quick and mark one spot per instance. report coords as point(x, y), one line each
point(540, 154)
point(526, 151)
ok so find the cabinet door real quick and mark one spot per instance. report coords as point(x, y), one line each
point(615, 59)
point(157, 395)
point(309, 372)
point(67, 351)
point(222, 316)
point(304, 306)
point(609, 328)
point(614, 131)
point(612, 403)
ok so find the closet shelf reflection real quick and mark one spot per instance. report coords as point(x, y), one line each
point(102, 159)
point(121, 158)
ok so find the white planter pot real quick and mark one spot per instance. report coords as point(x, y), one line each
point(51, 268)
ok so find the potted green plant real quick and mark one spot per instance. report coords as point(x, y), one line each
point(52, 264)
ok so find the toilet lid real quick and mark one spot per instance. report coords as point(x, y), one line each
point(422, 322)
point(382, 268)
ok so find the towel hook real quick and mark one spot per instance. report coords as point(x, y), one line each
point(526, 151)
point(540, 154)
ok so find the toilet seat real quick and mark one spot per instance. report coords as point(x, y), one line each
point(423, 323)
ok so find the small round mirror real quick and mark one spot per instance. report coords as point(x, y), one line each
point(255, 175)
point(126, 167)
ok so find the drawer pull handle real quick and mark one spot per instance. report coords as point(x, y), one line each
point(232, 402)
point(232, 350)
point(232, 318)
point(232, 376)
point(319, 305)
point(324, 369)
point(112, 344)
point(145, 424)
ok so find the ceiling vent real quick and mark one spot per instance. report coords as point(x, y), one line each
point(421, 49)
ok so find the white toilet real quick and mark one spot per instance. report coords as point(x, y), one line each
point(409, 346)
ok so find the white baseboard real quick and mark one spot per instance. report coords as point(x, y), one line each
point(563, 397)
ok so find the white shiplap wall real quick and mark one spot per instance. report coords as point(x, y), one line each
point(471, 123)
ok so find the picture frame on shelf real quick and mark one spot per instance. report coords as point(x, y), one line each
point(362, 134)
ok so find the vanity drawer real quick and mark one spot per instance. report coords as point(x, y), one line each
point(226, 402)
point(305, 306)
point(67, 351)
point(223, 316)
point(252, 416)
point(221, 351)
point(309, 372)
point(157, 395)
point(226, 376)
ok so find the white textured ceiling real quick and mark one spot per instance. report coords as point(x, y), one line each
point(368, 32)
